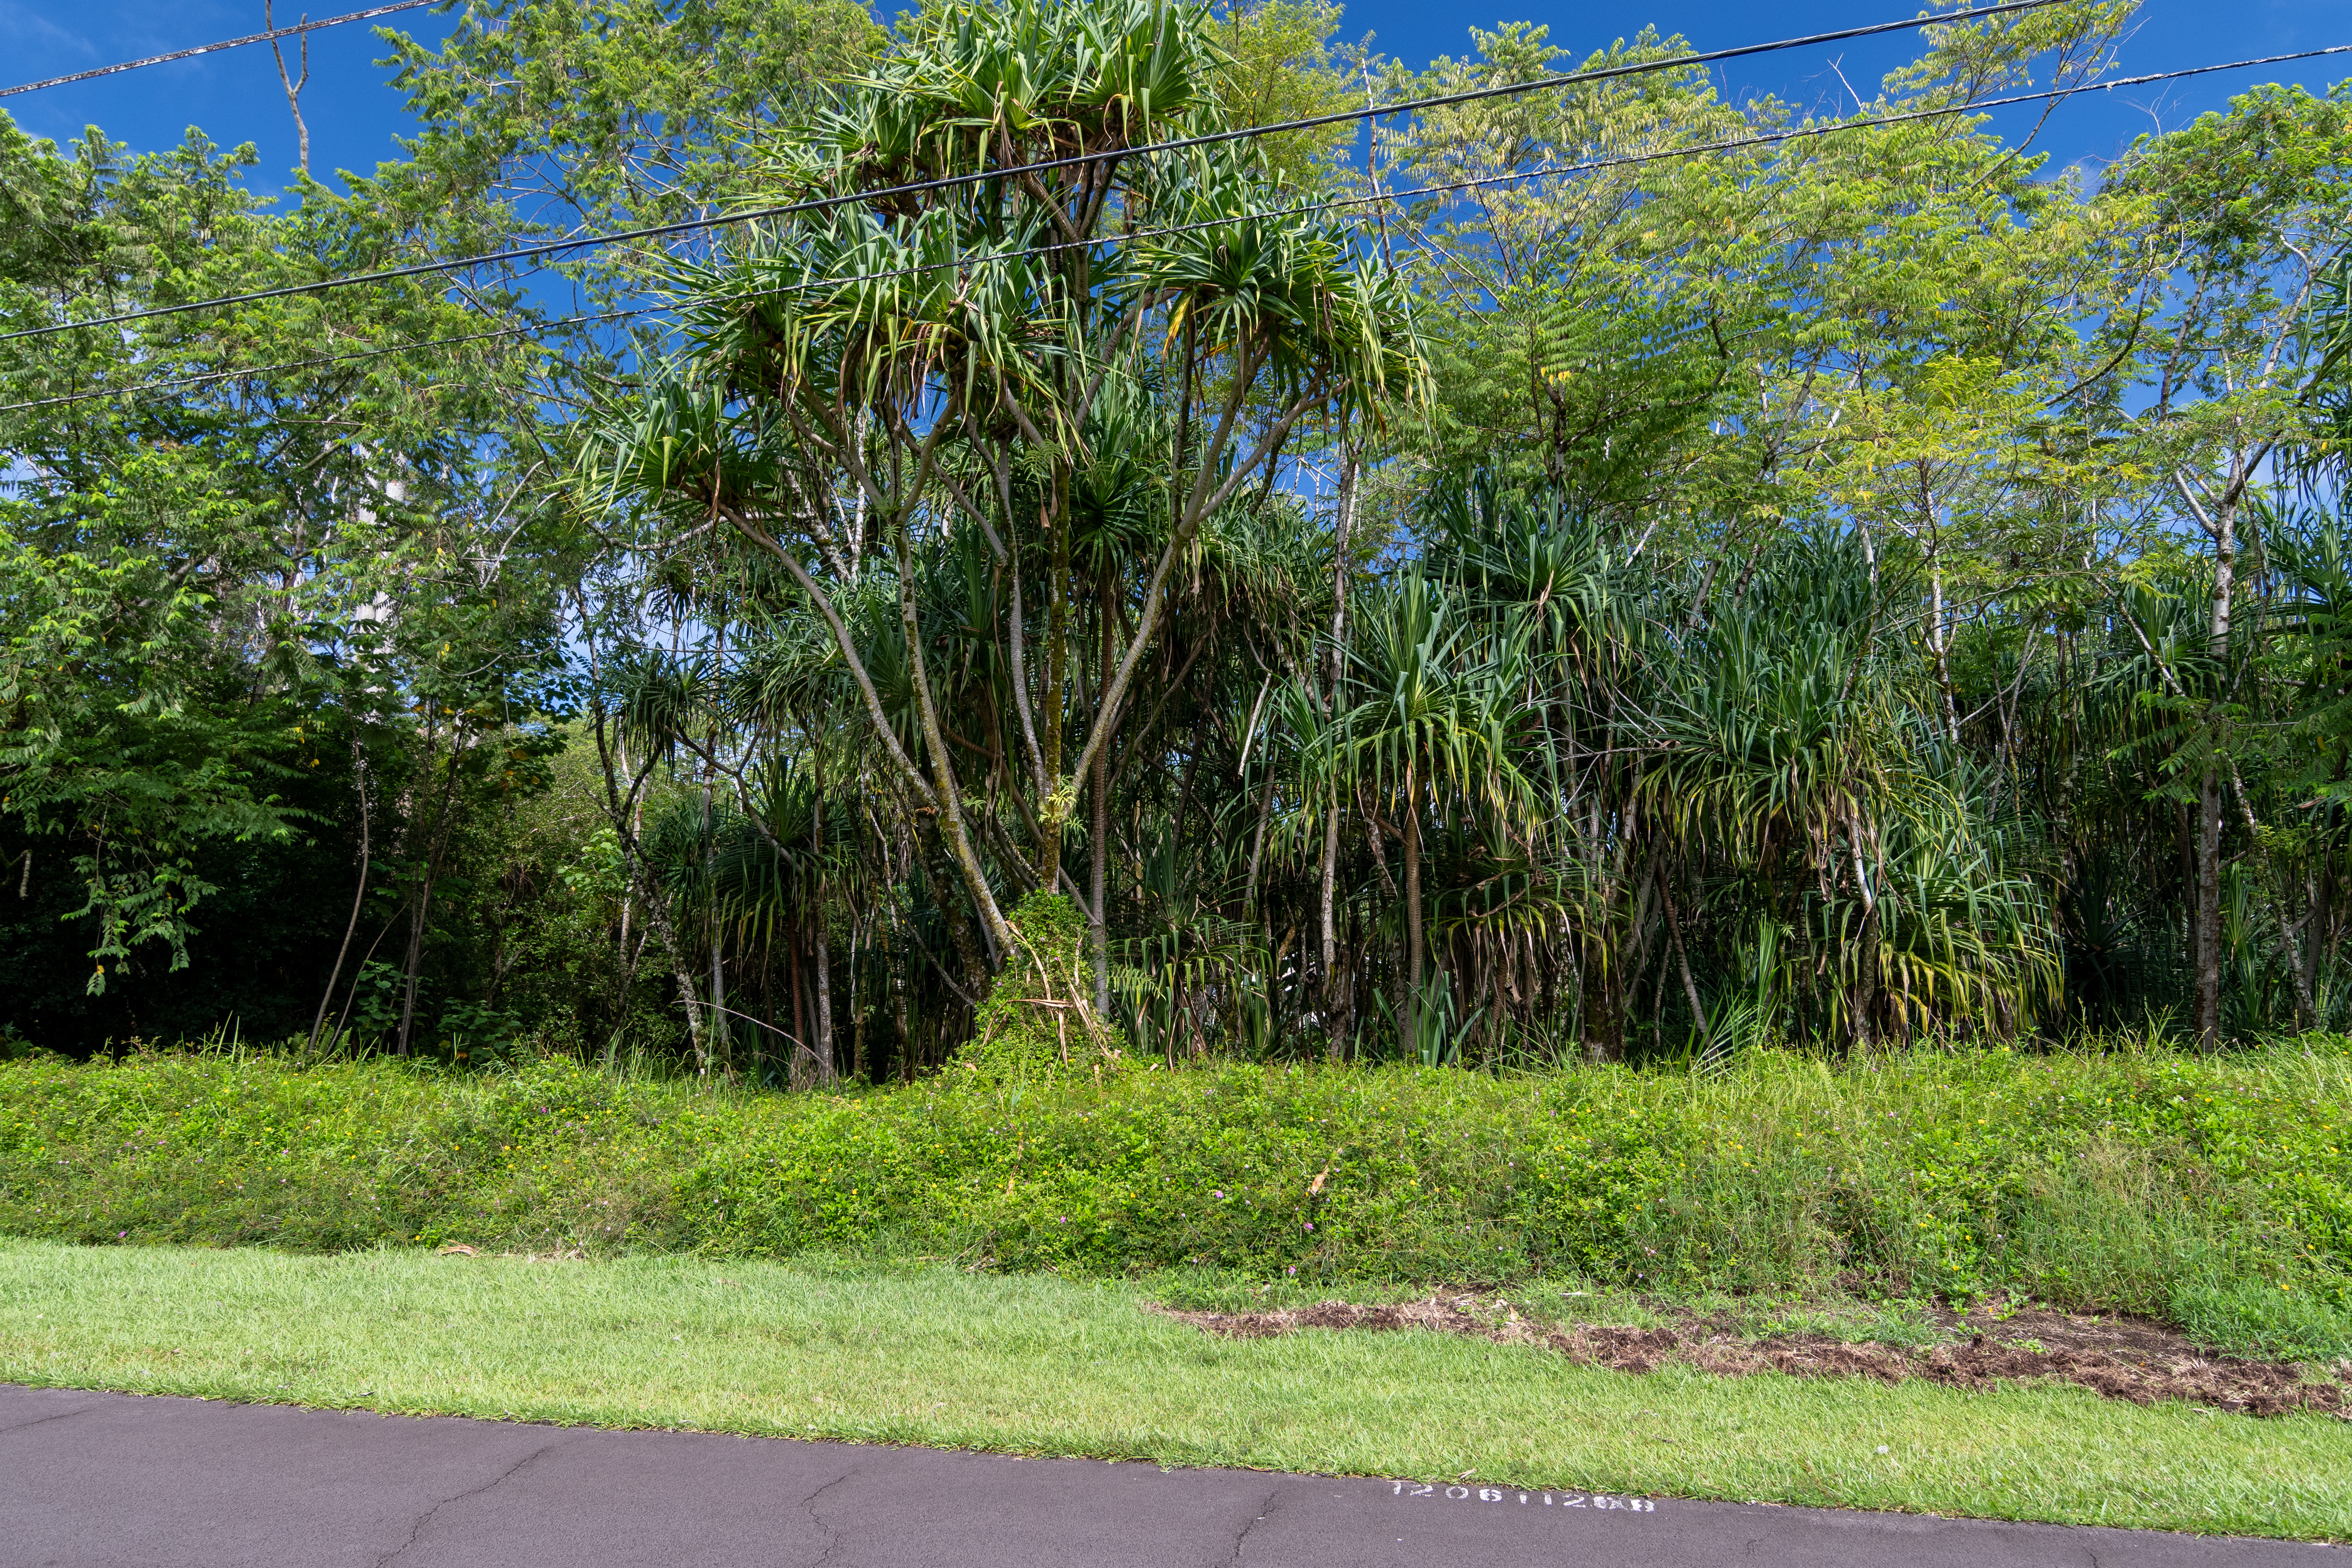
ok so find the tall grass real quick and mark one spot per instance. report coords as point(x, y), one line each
point(2124, 1176)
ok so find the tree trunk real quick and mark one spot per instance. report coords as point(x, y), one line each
point(2209, 910)
point(1351, 978)
point(1605, 1004)
point(963, 933)
point(2291, 938)
point(945, 791)
point(1055, 698)
point(1690, 985)
point(412, 963)
point(437, 843)
point(1098, 916)
point(860, 1069)
point(648, 893)
point(1330, 927)
point(721, 1038)
point(294, 84)
point(666, 932)
point(623, 809)
point(824, 1063)
point(1939, 644)
point(721, 1041)
point(1257, 840)
point(824, 1072)
point(802, 1056)
point(1865, 1013)
point(1350, 472)
point(2223, 527)
point(1413, 912)
point(359, 897)
point(414, 959)
point(898, 1017)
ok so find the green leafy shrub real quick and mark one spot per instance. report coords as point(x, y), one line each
point(1034, 1022)
point(2130, 1182)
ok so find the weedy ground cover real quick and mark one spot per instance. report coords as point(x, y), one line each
point(2214, 1192)
point(1039, 1363)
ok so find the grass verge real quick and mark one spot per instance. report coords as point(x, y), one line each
point(2216, 1192)
point(1039, 1364)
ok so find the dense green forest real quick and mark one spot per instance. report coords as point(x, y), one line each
point(1595, 572)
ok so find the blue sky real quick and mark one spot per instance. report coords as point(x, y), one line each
point(2167, 35)
point(353, 117)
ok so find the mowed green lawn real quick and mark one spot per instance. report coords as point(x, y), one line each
point(1036, 1364)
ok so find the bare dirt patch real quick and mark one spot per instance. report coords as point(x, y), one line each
point(2120, 1358)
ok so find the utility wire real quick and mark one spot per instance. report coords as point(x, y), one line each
point(950, 182)
point(214, 48)
point(1592, 165)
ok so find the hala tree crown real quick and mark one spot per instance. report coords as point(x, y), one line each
point(860, 379)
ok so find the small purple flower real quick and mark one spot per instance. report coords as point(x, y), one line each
point(1221, 1192)
point(1294, 1269)
point(1310, 1224)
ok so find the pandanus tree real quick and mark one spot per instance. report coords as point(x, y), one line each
point(1582, 603)
point(936, 350)
point(775, 874)
point(1731, 785)
point(1428, 731)
point(1797, 777)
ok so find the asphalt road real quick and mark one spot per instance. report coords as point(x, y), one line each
point(108, 1479)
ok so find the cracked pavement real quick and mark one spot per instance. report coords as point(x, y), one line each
point(128, 1482)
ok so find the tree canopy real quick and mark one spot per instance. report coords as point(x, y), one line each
point(1581, 573)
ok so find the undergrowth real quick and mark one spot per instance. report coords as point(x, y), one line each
point(2214, 1190)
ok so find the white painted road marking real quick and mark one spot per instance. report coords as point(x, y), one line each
point(1597, 1501)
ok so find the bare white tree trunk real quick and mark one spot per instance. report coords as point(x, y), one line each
point(825, 1067)
point(293, 84)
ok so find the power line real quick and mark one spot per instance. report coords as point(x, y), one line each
point(1593, 165)
point(214, 48)
point(916, 187)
